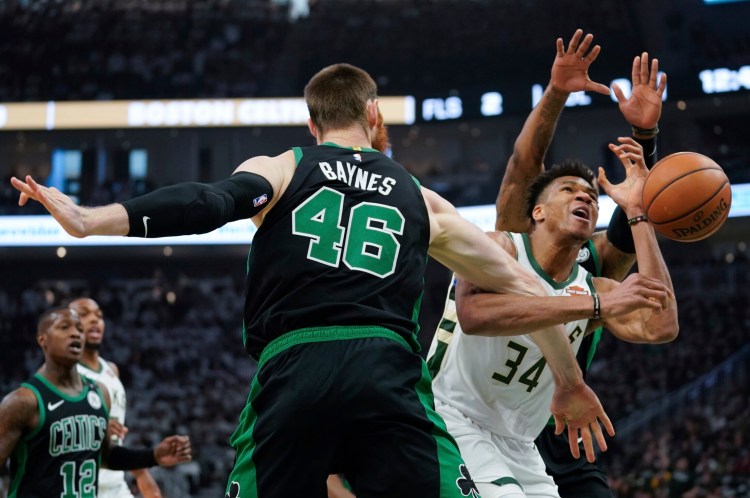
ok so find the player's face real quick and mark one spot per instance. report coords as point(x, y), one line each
point(571, 204)
point(92, 319)
point(63, 341)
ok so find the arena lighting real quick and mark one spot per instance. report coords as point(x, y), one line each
point(397, 110)
point(36, 231)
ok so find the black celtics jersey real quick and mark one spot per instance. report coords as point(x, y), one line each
point(345, 245)
point(60, 457)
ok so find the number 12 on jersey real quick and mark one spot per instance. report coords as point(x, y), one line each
point(368, 243)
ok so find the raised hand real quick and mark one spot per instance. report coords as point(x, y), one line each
point(173, 450)
point(643, 108)
point(580, 409)
point(570, 71)
point(628, 194)
point(60, 206)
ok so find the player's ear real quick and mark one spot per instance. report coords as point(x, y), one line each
point(41, 339)
point(372, 112)
point(311, 126)
point(537, 214)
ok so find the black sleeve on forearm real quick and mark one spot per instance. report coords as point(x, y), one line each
point(121, 458)
point(619, 233)
point(188, 208)
point(649, 150)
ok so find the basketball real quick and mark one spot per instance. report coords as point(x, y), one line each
point(687, 196)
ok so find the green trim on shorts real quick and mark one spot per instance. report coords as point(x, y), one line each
point(448, 455)
point(325, 334)
point(503, 481)
point(244, 473)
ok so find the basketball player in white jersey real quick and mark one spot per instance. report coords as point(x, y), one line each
point(111, 483)
point(492, 386)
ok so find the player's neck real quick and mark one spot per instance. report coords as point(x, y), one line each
point(556, 257)
point(354, 136)
point(90, 360)
point(64, 377)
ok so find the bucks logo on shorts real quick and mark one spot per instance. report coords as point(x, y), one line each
point(466, 484)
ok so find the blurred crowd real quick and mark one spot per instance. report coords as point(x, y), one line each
point(177, 341)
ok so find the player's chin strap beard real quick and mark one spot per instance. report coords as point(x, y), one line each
point(91, 346)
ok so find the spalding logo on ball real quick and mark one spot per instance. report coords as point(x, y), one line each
point(687, 196)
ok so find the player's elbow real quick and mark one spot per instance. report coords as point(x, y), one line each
point(664, 333)
point(471, 322)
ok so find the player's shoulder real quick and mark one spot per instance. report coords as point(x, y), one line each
point(260, 164)
point(22, 403)
point(112, 366)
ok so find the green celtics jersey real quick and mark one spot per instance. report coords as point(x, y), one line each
point(345, 245)
point(60, 457)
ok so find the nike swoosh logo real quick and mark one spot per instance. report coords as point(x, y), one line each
point(145, 226)
point(54, 406)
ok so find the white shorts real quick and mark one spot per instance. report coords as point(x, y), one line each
point(116, 489)
point(513, 465)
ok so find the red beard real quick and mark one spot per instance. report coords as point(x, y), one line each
point(380, 141)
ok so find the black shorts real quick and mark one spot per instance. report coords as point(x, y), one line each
point(575, 478)
point(356, 401)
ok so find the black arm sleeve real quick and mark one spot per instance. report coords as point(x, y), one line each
point(190, 207)
point(618, 231)
point(649, 150)
point(121, 458)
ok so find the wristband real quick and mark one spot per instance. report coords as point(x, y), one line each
point(637, 219)
point(645, 132)
point(597, 307)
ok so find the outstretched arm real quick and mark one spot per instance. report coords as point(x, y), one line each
point(181, 209)
point(644, 325)
point(569, 74)
point(642, 111)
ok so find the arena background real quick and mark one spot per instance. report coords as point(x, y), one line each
point(469, 69)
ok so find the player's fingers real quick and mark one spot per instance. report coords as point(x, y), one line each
point(618, 93)
point(588, 444)
point(560, 47)
point(573, 45)
point(593, 86)
point(654, 73)
point(573, 442)
point(602, 179)
point(635, 72)
point(644, 68)
point(604, 420)
point(662, 85)
point(599, 435)
point(584, 46)
point(559, 424)
point(591, 56)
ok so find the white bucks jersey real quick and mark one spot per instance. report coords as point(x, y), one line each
point(502, 383)
point(107, 376)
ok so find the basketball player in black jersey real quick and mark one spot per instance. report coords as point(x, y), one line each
point(609, 253)
point(54, 427)
point(334, 281)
